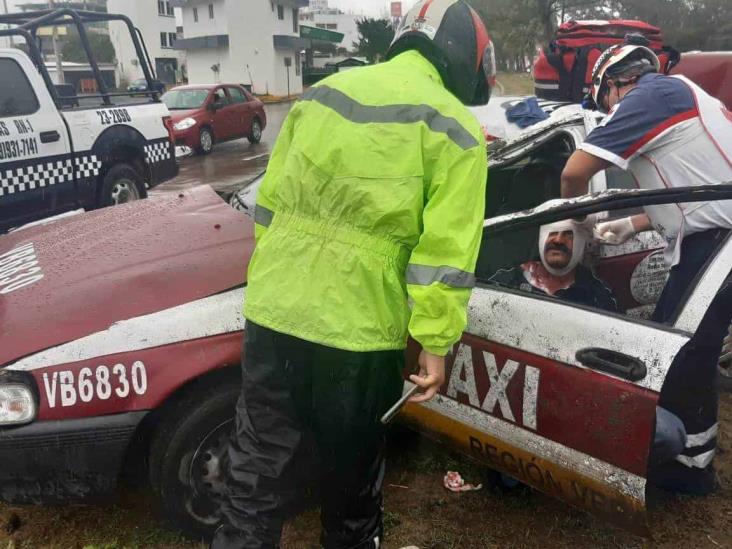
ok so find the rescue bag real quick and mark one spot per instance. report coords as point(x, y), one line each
point(563, 70)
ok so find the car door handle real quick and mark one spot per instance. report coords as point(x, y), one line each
point(613, 362)
point(50, 137)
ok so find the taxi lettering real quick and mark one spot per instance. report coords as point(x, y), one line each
point(19, 268)
point(66, 389)
point(485, 385)
point(571, 490)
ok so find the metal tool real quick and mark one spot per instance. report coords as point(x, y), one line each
point(394, 410)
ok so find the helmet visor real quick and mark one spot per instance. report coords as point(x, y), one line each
point(489, 65)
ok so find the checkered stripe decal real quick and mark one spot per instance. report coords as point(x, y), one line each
point(157, 152)
point(88, 166)
point(46, 174)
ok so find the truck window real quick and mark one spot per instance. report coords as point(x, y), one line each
point(17, 97)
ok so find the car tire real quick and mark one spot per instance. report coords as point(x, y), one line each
point(187, 456)
point(205, 141)
point(121, 184)
point(255, 135)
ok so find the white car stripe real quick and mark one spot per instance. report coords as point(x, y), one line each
point(623, 481)
point(562, 329)
point(210, 316)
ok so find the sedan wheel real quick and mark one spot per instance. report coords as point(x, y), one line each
point(205, 142)
point(255, 136)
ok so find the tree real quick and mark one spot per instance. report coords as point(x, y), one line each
point(375, 37)
point(100, 44)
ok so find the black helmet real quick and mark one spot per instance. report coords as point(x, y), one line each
point(453, 37)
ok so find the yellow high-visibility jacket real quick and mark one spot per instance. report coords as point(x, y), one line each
point(370, 216)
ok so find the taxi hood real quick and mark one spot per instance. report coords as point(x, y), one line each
point(80, 275)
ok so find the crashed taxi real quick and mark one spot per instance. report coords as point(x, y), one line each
point(122, 332)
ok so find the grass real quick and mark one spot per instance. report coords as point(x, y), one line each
point(515, 83)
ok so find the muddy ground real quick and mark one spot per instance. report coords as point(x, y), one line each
point(419, 511)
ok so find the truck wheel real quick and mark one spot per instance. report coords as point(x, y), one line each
point(187, 456)
point(205, 141)
point(255, 136)
point(120, 185)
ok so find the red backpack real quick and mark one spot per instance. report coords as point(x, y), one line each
point(563, 70)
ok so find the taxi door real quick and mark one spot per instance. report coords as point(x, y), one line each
point(558, 395)
point(36, 170)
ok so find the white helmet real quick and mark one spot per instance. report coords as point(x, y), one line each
point(617, 60)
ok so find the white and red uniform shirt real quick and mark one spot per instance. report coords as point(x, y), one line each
point(668, 132)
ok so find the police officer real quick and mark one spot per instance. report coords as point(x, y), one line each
point(368, 226)
point(667, 132)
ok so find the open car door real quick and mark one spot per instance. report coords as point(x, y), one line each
point(563, 396)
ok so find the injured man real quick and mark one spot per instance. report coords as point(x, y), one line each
point(560, 272)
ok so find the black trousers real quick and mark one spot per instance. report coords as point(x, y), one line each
point(690, 390)
point(293, 389)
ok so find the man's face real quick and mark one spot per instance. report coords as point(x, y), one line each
point(558, 249)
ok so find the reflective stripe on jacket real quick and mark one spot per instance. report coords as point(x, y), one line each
point(374, 197)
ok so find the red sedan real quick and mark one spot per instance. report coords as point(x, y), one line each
point(203, 115)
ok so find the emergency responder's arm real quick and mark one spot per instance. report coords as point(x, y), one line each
point(580, 168)
point(441, 269)
point(266, 195)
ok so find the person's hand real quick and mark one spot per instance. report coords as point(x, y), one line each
point(431, 376)
point(615, 232)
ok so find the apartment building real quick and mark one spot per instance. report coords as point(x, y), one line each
point(254, 43)
point(157, 23)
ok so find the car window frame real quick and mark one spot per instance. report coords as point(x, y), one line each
point(30, 87)
point(245, 99)
point(589, 204)
point(227, 101)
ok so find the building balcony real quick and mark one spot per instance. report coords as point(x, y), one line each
point(290, 42)
point(203, 42)
point(291, 3)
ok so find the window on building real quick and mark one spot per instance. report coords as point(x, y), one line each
point(164, 40)
point(170, 10)
point(295, 17)
point(164, 8)
point(320, 25)
point(280, 12)
point(171, 39)
point(195, 15)
point(17, 97)
point(210, 11)
point(332, 26)
point(161, 7)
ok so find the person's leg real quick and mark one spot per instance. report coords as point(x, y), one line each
point(696, 249)
point(690, 392)
point(268, 434)
point(351, 391)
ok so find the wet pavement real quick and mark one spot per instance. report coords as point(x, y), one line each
point(232, 164)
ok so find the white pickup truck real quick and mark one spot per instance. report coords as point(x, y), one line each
point(62, 151)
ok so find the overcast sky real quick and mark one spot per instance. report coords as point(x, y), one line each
point(367, 7)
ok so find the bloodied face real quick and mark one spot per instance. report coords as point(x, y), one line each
point(558, 249)
point(562, 246)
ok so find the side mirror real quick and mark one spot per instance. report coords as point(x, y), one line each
point(213, 106)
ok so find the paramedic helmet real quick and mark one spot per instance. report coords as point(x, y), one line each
point(452, 36)
point(624, 63)
point(562, 245)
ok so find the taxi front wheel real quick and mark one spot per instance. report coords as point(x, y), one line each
point(188, 456)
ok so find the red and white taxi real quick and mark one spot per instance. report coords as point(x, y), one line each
point(122, 332)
